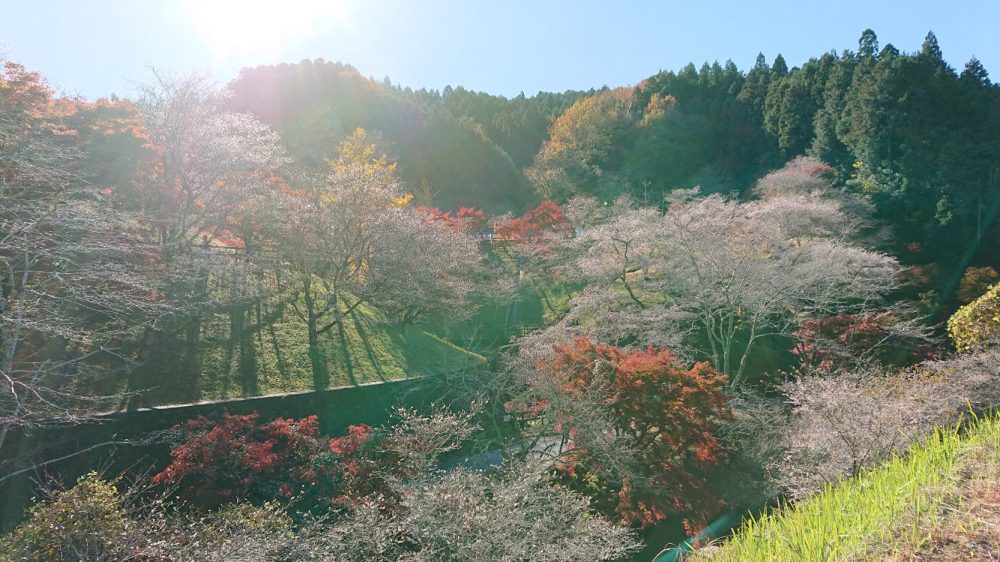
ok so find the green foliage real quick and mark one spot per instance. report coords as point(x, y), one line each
point(860, 518)
point(369, 350)
point(95, 521)
point(470, 147)
point(85, 522)
point(976, 324)
point(908, 130)
point(711, 136)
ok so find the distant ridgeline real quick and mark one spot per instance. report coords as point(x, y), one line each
point(454, 147)
point(922, 139)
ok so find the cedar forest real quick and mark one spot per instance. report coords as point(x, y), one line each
point(714, 291)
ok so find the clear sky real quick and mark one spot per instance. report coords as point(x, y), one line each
point(98, 47)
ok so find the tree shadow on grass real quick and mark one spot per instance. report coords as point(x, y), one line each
point(346, 350)
point(369, 350)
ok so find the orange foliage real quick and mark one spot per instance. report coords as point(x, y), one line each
point(669, 413)
point(468, 219)
point(544, 220)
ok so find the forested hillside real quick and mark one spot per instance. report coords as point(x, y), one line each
point(639, 310)
point(455, 148)
point(919, 138)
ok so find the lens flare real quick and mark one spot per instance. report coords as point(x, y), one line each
point(260, 27)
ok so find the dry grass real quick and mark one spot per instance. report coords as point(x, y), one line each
point(970, 530)
point(939, 502)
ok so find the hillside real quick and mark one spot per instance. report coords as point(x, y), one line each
point(712, 126)
point(369, 350)
point(619, 318)
point(936, 502)
point(454, 148)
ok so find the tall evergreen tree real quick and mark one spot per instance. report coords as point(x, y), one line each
point(930, 48)
point(975, 72)
point(780, 67)
point(868, 45)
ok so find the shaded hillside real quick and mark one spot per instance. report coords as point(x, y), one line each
point(453, 149)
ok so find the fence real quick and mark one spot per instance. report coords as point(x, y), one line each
point(119, 442)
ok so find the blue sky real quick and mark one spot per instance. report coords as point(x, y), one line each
point(98, 47)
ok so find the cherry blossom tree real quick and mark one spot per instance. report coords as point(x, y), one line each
point(726, 275)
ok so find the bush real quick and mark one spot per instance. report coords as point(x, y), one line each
point(239, 459)
point(846, 340)
point(840, 425)
point(976, 324)
point(233, 532)
point(976, 281)
point(399, 506)
point(86, 522)
point(95, 521)
point(515, 514)
point(286, 460)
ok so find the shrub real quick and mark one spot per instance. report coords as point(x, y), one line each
point(95, 521)
point(288, 461)
point(976, 281)
point(85, 522)
point(546, 219)
point(841, 424)
point(467, 219)
point(977, 323)
point(845, 340)
point(464, 514)
point(411, 510)
point(233, 532)
point(375, 463)
point(239, 459)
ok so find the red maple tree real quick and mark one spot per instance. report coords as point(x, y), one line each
point(544, 220)
point(237, 458)
point(833, 341)
point(466, 218)
point(667, 411)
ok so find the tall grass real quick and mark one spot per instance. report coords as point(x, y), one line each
point(895, 503)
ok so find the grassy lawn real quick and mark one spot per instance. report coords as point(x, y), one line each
point(935, 503)
point(369, 350)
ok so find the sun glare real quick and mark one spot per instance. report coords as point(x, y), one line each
point(241, 27)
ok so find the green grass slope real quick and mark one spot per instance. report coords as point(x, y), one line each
point(368, 350)
point(893, 512)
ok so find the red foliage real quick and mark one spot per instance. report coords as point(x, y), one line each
point(351, 443)
point(815, 168)
point(362, 469)
point(823, 342)
point(467, 219)
point(239, 459)
point(669, 411)
point(544, 220)
point(109, 135)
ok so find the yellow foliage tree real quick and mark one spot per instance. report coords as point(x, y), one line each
point(976, 324)
point(585, 143)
